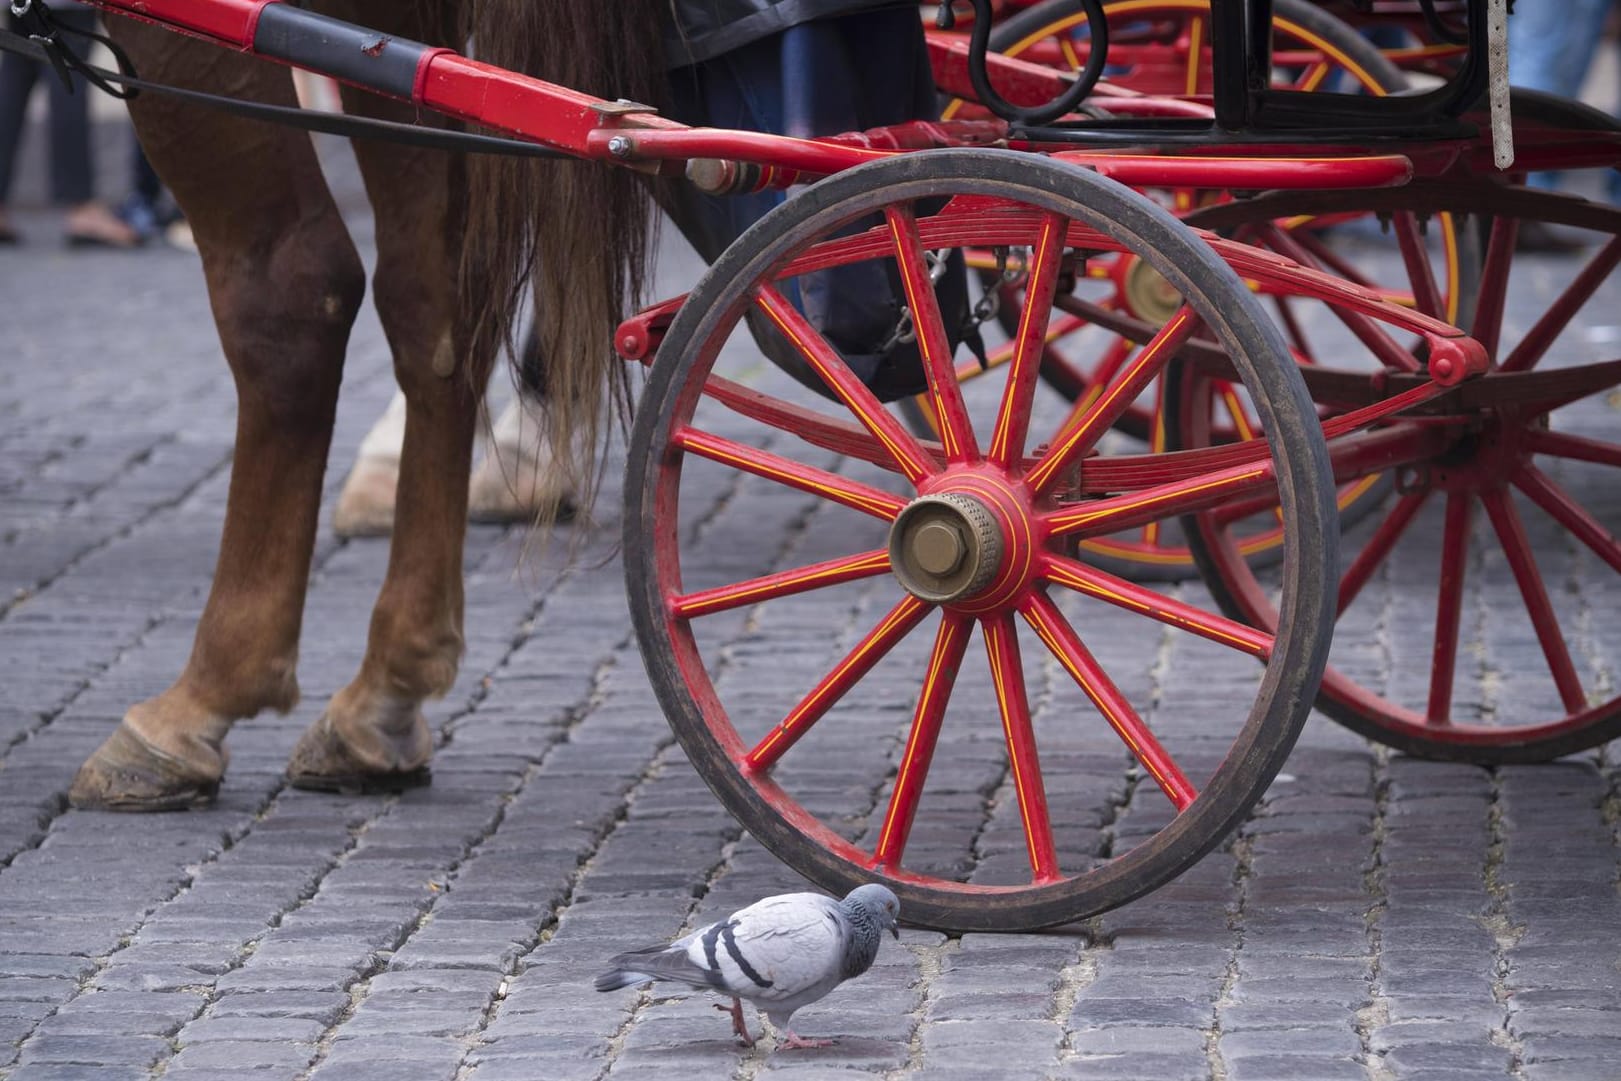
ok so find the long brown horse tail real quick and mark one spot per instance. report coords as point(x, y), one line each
point(575, 233)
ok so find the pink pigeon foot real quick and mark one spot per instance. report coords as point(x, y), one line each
point(795, 1040)
point(739, 1028)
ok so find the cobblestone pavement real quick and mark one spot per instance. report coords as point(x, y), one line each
point(1378, 917)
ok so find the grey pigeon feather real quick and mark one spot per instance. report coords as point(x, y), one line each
point(780, 953)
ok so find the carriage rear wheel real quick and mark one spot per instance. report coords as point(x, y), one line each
point(1474, 623)
point(1108, 735)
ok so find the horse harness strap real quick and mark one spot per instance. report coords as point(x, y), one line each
point(41, 41)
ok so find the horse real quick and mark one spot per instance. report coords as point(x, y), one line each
point(460, 240)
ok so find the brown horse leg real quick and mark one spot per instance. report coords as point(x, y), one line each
point(285, 283)
point(373, 734)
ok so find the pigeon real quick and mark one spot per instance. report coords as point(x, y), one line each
point(780, 953)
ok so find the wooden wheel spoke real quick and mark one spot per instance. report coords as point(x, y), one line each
point(1117, 591)
point(913, 461)
point(1510, 531)
point(956, 431)
point(829, 572)
point(1029, 343)
point(1426, 294)
point(1007, 673)
point(1488, 321)
point(1379, 547)
point(949, 645)
point(847, 673)
point(1061, 639)
point(1313, 76)
point(1115, 514)
point(1449, 606)
point(1115, 399)
point(1575, 447)
point(1562, 508)
point(785, 471)
point(1535, 344)
point(1291, 326)
point(1195, 62)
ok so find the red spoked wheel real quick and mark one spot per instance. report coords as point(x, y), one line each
point(1473, 620)
point(1106, 735)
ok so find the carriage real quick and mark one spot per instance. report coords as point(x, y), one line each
point(1170, 285)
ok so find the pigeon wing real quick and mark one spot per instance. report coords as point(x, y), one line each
point(786, 949)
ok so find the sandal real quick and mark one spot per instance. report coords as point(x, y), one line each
point(92, 225)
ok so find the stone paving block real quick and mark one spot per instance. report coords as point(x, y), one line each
point(1138, 1039)
point(76, 1072)
point(1440, 1056)
point(1161, 1067)
point(72, 1049)
point(1285, 1067)
point(278, 1029)
point(1560, 1047)
point(1294, 1043)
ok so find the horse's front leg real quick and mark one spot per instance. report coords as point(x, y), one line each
point(285, 283)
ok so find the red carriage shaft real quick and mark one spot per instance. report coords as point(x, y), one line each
point(579, 124)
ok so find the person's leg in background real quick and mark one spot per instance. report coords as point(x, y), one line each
point(89, 221)
point(17, 76)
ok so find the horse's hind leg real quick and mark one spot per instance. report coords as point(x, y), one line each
point(285, 283)
point(373, 733)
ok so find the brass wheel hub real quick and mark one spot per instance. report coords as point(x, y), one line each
point(945, 547)
point(1148, 294)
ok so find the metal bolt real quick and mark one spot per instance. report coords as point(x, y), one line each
point(619, 146)
point(940, 548)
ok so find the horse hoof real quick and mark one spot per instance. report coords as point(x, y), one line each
point(323, 762)
point(366, 505)
point(500, 494)
point(126, 773)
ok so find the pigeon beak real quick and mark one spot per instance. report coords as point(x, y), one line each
point(895, 930)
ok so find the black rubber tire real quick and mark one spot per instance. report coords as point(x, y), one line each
point(650, 522)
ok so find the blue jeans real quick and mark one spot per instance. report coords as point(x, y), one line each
point(848, 73)
point(1550, 48)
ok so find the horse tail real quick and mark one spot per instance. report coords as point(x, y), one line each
point(573, 234)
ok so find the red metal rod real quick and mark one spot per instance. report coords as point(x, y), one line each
point(1110, 589)
point(1007, 673)
point(1384, 348)
point(1029, 344)
point(225, 22)
point(1449, 606)
point(1517, 550)
point(1060, 638)
point(1117, 513)
point(821, 355)
point(806, 478)
point(944, 661)
point(945, 395)
point(829, 572)
point(899, 621)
